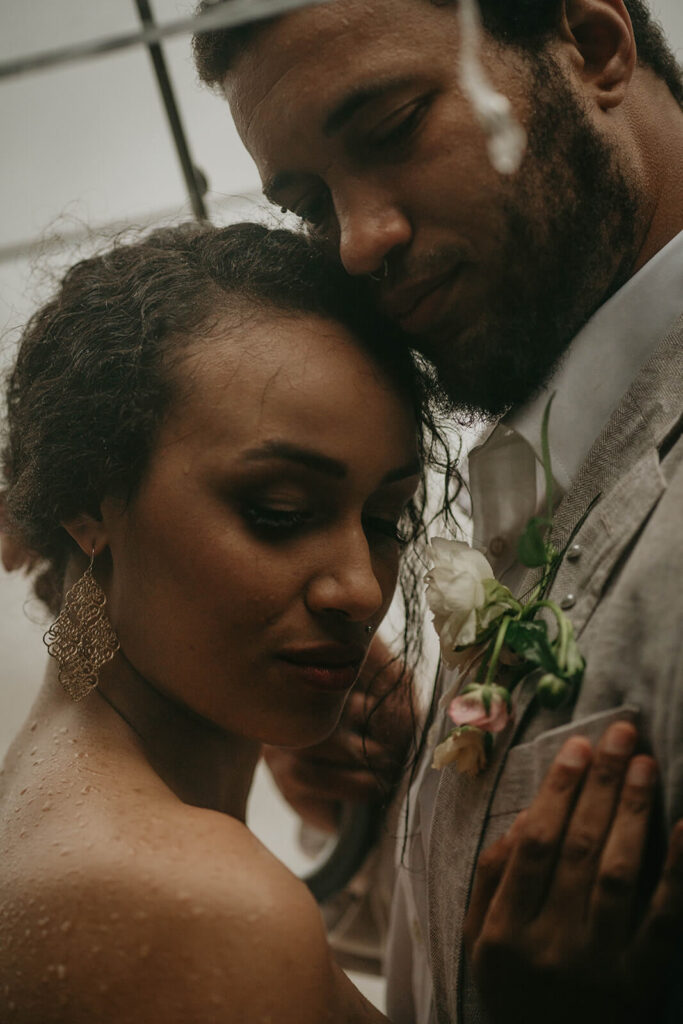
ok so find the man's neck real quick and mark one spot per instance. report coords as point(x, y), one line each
point(659, 142)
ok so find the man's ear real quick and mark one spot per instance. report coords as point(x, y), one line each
point(88, 532)
point(600, 35)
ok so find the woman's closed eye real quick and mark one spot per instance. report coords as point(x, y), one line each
point(385, 529)
point(276, 521)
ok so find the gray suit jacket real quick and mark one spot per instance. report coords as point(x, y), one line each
point(627, 613)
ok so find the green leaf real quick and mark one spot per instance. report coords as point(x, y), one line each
point(531, 547)
point(530, 640)
point(574, 664)
point(552, 691)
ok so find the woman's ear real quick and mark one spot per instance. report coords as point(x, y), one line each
point(89, 533)
point(600, 34)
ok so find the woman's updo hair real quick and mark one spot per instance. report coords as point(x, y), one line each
point(93, 377)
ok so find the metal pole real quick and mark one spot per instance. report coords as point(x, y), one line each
point(190, 173)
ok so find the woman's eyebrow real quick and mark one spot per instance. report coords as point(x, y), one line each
point(296, 453)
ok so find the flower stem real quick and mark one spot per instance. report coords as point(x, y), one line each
point(562, 630)
point(500, 637)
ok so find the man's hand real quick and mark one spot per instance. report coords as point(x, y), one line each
point(363, 759)
point(553, 931)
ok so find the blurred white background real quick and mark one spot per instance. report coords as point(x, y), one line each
point(86, 148)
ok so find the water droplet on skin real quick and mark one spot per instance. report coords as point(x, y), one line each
point(61, 971)
point(22, 791)
point(65, 926)
point(47, 806)
point(64, 730)
point(33, 726)
point(43, 921)
point(22, 833)
point(38, 760)
point(34, 751)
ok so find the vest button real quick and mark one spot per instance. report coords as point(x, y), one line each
point(497, 546)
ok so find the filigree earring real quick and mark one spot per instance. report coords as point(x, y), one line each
point(81, 638)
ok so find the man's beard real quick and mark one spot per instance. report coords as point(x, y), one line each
point(572, 233)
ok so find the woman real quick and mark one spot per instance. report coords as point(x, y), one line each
point(209, 432)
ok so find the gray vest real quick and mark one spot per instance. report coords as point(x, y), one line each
point(627, 586)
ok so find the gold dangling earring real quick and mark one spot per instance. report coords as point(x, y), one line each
point(81, 638)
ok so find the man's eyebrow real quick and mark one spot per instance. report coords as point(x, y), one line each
point(358, 98)
point(307, 457)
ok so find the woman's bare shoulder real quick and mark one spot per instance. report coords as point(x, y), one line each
point(193, 919)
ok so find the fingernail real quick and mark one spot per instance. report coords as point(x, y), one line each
point(575, 753)
point(620, 739)
point(641, 771)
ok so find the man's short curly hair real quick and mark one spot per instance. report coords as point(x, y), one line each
point(523, 23)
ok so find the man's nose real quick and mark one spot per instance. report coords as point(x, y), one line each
point(370, 229)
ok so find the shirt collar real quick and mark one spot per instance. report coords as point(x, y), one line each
point(603, 360)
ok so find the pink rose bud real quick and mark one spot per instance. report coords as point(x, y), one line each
point(485, 706)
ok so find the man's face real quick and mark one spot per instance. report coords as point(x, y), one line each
point(357, 123)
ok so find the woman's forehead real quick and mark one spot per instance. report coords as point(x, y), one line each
point(305, 375)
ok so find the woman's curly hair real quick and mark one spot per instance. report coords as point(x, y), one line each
point(94, 379)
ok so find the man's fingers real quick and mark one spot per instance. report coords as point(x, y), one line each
point(538, 837)
point(590, 822)
point(490, 868)
point(661, 932)
point(612, 900)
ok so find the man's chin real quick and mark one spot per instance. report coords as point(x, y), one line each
point(482, 377)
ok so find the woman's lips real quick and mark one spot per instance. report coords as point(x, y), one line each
point(328, 667)
point(333, 679)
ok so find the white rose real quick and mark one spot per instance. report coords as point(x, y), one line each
point(455, 592)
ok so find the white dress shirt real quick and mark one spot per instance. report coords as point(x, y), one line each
point(507, 487)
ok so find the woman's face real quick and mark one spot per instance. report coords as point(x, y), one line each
point(263, 540)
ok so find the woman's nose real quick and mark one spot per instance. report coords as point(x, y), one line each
point(346, 583)
point(370, 229)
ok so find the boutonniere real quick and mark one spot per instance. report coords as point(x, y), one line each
point(495, 640)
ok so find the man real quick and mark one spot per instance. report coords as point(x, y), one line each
point(565, 277)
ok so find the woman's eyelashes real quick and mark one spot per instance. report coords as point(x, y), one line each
point(277, 523)
point(387, 529)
